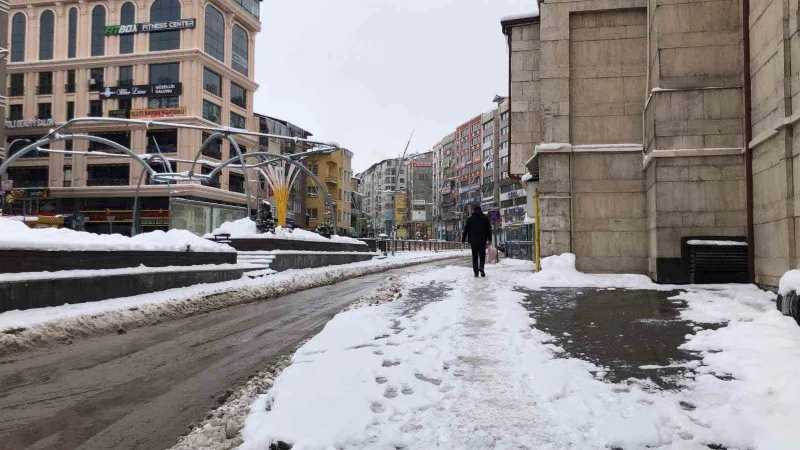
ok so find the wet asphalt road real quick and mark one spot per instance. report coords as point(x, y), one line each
point(143, 389)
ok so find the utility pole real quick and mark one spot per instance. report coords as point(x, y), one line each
point(394, 197)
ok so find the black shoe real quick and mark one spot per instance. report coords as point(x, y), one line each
point(476, 275)
point(483, 274)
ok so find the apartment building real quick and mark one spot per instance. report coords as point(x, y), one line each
point(379, 185)
point(468, 182)
point(181, 62)
point(419, 196)
point(449, 214)
point(4, 53)
point(357, 220)
point(296, 209)
point(635, 116)
point(335, 170)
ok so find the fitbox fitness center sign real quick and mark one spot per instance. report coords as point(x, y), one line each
point(151, 27)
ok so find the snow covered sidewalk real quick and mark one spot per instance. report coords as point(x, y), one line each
point(459, 363)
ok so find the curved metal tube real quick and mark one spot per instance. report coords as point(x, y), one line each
point(235, 145)
point(66, 137)
point(304, 169)
point(203, 146)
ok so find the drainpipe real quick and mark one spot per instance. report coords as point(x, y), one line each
point(748, 136)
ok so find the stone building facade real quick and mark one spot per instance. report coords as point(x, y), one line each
point(633, 112)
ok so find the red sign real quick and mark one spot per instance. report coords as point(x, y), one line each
point(421, 164)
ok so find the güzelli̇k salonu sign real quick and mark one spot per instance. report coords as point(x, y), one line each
point(150, 27)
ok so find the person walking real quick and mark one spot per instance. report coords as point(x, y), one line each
point(478, 231)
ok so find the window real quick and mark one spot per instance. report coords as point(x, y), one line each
point(487, 180)
point(125, 104)
point(476, 140)
point(476, 127)
point(238, 95)
point(504, 175)
point(240, 50)
point(504, 160)
point(212, 82)
point(504, 131)
point(212, 112)
point(312, 191)
point(162, 10)
point(487, 153)
point(314, 168)
point(215, 33)
point(18, 37)
point(95, 108)
point(69, 86)
point(72, 33)
point(167, 141)
point(504, 116)
point(99, 31)
point(121, 138)
point(15, 112)
point(214, 182)
point(164, 73)
point(46, 35)
point(70, 110)
point(125, 75)
point(476, 153)
point(487, 139)
point(16, 84)
point(487, 126)
point(127, 17)
point(312, 213)
point(251, 6)
point(238, 121)
point(108, 175)
point(236, 182)
point(45, 111)
point(489, 165)
point(214, 148)
point(45, 86)
point(504, 145)
point(68, 176)
point(96, 79)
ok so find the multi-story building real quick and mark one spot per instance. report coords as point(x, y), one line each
point(449, 216)
point(333, 169)
point(468, 136)
point(357, 220)
point(182, 62)
point(296, 209)
point(419, 196)
point(4, 53)
point(379, 184)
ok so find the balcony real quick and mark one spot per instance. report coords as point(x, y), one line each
point(331, 179)
point(95, 85)
point(16, 91)
point(44, 90)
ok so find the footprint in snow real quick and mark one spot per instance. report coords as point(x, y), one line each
point(381, 380)
point(378, 352)
point(390, 392)
point(433, 381)
point(407, 390)
point(390, 362)
point(377, 407)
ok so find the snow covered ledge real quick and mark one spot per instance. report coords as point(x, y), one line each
point(560, 147)
point(788, 301)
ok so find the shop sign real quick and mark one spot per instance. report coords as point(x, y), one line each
point(154, 222)
point(30, 123)
point(419, 216)
point(151, 113)
point(119, 113)
point(513, 211)
point(421, 163)
point(31, 193)
point(418, 202)
point(142, 90)
point(150, 27)
point(513, 194)
point(474, 187)
point(6, 185)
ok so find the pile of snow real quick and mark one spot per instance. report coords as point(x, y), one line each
point(246, 229)
point(790, 281)
point(527, 177)
point(553, 146)
point(15, 235)
point(528, 220)
point(560, 271)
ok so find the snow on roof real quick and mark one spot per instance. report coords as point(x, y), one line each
point(520, 16)
point(15, 235)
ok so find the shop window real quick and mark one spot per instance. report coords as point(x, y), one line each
point(215, 33)
point(164, 10)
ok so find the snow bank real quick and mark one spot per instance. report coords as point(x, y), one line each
point(246, 229)
point(527, 177)
point(560, 271)
point(15, 235)
point(46, 326)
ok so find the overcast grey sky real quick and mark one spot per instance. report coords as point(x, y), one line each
point(364, 73)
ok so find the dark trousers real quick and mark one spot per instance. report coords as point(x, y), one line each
point(478, 253)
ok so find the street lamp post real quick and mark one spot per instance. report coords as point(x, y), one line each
point(394, 197)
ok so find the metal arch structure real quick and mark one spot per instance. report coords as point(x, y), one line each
point(270, 157)
point(55, 135)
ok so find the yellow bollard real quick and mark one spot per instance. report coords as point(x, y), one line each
point(536, 245)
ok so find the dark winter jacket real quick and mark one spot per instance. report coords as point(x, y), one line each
point(478, 230)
